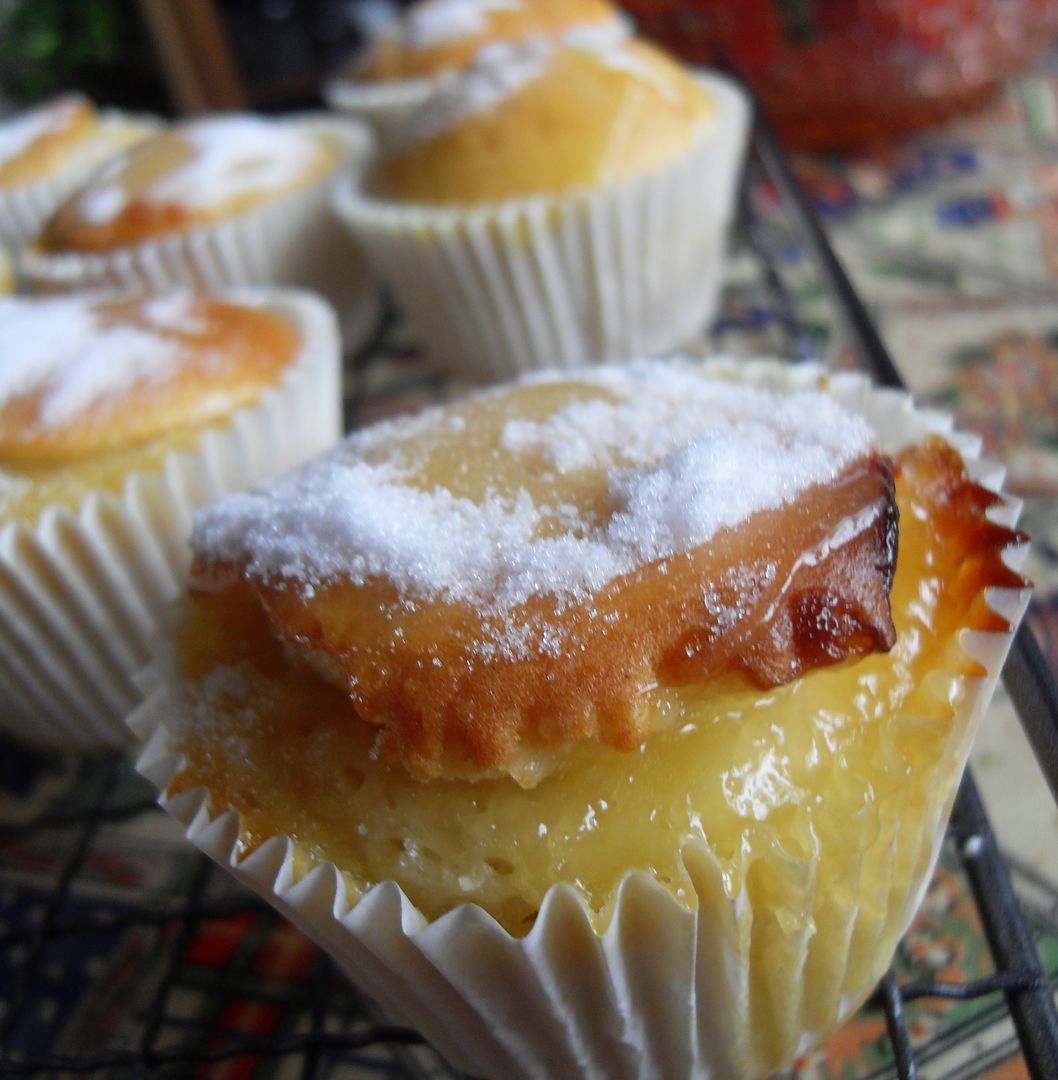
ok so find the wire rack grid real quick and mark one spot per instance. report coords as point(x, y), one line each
point(211, 982)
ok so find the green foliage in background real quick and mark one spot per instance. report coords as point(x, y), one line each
point(97, 46)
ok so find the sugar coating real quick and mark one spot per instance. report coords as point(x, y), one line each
point(174, 311)
point(437, 21)
point(682, 455)
point(231, 156)
point(502, 68)
point(499, 70)
point(60, 348)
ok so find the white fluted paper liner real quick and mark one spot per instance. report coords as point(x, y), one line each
point(25, 208)
point(293, 240)
point(83, 595)
point(631, 269)
point(732, 991)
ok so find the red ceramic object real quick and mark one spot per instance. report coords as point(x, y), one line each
point(844, 73)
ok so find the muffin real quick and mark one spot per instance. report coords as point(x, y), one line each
point(407, 61)
point(564, 201)
point(594, 724)
point(48, 151)
point(212, 202)
point(119, 417)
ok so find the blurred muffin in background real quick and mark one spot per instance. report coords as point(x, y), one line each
point(48, 151)
point(556, 203)
point(118, 419)
point(213, 202)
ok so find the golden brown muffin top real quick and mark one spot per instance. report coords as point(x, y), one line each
point(435, 36)
point(84, 376)
point(194, 174)
point(499, 579)
point(36, 143)
point(539, 118)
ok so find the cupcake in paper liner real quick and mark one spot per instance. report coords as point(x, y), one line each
point(593, 724)
point(119, 418)
point(49, 151)
point(211, 203)
point(558, 204)
point(409, 58)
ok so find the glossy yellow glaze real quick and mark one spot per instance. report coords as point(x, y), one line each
point(584, 122)
point(392, 56)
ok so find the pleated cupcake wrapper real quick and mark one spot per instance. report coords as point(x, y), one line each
point(732, 991)
point(630, 269)
point(25, 208)
point(83, 594)
point(293, 240)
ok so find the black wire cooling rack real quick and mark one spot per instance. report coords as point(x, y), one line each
point(203, 979)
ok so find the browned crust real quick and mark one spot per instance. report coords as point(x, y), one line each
point(762, 603)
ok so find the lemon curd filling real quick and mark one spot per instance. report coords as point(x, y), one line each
point(539, 118)
point(97, 390)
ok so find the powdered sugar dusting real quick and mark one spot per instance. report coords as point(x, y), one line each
point(231, 155)
point(63, 350)
point(104, 198)
point(437, 21)
point(499, 70)
point(598, 36)
point(680, 456)
point(174, 311)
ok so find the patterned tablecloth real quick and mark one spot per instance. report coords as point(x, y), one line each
point(953, 240)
